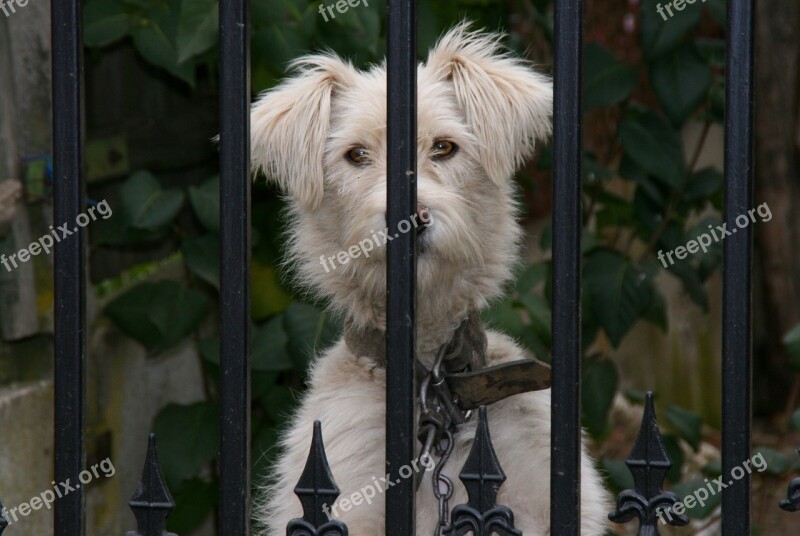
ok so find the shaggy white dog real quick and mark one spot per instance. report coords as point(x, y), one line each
point(322, 136)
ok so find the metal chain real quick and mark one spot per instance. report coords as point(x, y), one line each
point(441, 481)
point(438, 419)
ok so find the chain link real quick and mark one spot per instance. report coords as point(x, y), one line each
point(438, 419)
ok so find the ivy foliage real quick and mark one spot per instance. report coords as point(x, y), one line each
point(642, 194)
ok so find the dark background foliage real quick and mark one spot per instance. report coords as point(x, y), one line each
point(643, 93)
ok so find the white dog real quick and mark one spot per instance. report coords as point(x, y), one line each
point(322, 136)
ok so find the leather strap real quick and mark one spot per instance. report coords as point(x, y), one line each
point(471, 382)
point(489, 385)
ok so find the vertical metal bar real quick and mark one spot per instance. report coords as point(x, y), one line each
point(566, 392)
point(401, 261)
point(70, 269)
point(234, 462)
point(737, 298)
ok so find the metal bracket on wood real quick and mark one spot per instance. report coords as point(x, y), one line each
point(151, 503)
point(482, 476)
point(317, 493)
point(649, 464)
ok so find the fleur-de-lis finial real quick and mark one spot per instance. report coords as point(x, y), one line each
point(792, 501)
point(649, 465)
point(482, 476)
point(3, 520)
point(151, 503)
point(317, 493)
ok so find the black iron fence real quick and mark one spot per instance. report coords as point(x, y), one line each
point(648, 462)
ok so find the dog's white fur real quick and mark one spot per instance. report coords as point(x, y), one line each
point(494, 107)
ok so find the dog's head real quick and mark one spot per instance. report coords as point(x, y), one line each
point(322, 136)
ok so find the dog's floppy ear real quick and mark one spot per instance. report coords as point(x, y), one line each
point(289, 125)
point(507, 104)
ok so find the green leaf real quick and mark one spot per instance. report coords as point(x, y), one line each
point(147, 206)
point(154, 38)
point(710, 254)
point(660, 35)
point(675, 453)
point(279, 44)
point(691, 281)
point(618, 291)
point(712, 50)
point(506, 316)
point(540, 319)
point(617, 474)
point(201, 255)
point(268, 297)
point(264, 442)
point(792, 343)
point(703, 184)
point(531, 276)
point(205, 203)
point(279, 403)
point(680, 79)
point(776, 462)
point(599, 385)
point(718, 10)
point(688, 489)
point(270, 352)
point(263, 382)
point(188, 437)
point(796, 420)
point(194, 499)
point(159, 315)
point(607, 80)
point(209, 348)
point(198, 28)
point(594, 170)
point(647, 214)
point(105, 22)
point(713, 468)
point(363, 24)
point(310, 331)
point(118, 232)
point(656, 314)
point(635, 396)
point(654, 145)
point(687, 424)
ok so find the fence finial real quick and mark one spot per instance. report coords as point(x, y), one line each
point(152, 502)
point(482, 476)
point(649, 464)
point(792, 501)
point(317, 493)
point(3, 520)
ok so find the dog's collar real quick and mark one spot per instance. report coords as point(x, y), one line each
point(471, 382)
point(466, 349)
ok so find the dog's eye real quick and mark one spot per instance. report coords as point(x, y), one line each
point(444, 149)
point(357, 156)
